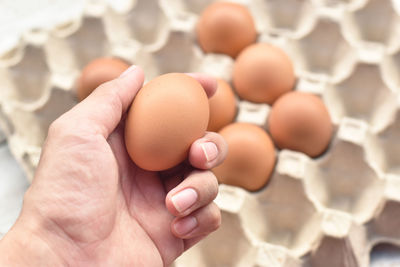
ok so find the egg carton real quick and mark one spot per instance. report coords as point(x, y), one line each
point(327, 211)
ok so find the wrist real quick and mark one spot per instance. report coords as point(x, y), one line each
point(23, 246)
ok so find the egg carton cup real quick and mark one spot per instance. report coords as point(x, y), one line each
point(337, 206)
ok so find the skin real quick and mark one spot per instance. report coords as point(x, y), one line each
point(89, 205)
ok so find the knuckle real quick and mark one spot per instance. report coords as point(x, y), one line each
point(65, 130)
point(207, 185)
point(223, 148)
point(215, 218)
point(212, 184)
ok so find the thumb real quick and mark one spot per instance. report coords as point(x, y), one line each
point(102, 110)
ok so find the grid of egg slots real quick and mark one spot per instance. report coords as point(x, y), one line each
point(316, 169)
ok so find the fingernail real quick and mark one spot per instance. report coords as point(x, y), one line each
point(128, 70)
point(185, 225)
point(184, 199)
point(210, 151)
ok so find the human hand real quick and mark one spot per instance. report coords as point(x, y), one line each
point(90, 205)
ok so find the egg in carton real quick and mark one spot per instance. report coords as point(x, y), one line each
point(335, 207)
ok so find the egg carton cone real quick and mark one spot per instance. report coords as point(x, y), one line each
point(325, 211)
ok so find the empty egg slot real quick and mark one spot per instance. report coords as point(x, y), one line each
point(178, 55)
point(391, 69)
point(363, 95)
point(341, 233)
point(30, 78)
point(345, 181)
point(143, 29)
point(295, 218)
point(333, 252)
point(323, 51)
point(375, 22)
point(386, 224)
point(289, 15)
point(238, 201)
point(388, 139)
point(381, 252)
point(228, 246)
point(89, 42)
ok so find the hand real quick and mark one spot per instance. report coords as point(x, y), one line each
point(90, 205)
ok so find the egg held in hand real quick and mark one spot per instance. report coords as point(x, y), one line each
point(167, 115)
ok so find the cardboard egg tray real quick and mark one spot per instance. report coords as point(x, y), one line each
point(328, 211)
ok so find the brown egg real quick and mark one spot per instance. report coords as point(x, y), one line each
point(222, 107)
point(98, 71)
point(300, 121)
point(167, 115)
point(263, 72)
point(251, 157)
point(225, 28)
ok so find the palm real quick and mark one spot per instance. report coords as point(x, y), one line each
point(122, 209)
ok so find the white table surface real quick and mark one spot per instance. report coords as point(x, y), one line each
point(13, 184)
